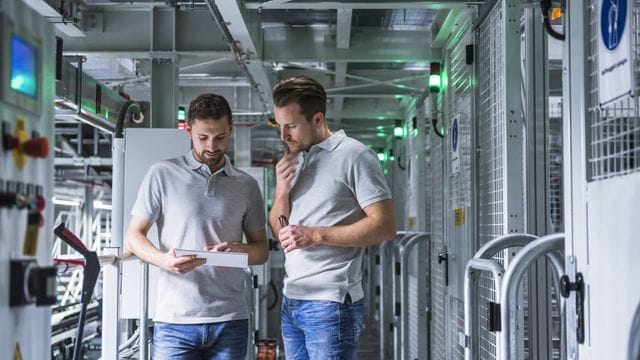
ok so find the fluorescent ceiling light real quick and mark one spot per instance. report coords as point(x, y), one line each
point(57, 201)
point(100, 205)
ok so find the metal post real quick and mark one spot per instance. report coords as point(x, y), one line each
point(404, 252)
point(510, 284)
point(242, 145)
point(117, 195)
point(111, 306)
point(487, 251)
point(144, 310)
point(470, 296)
point(386, 307)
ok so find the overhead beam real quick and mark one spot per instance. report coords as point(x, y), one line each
point(331, 5)
point(444, 30)
point(343, 31)
point(284, 44)
point(366, 79)
point(340, 81)
point(121, 32)
point(392, 82)
point(241, 27)
point(343, 38)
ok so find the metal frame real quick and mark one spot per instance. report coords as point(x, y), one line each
point(386, 304)
point(483, 261)
point(404, 250)
point(510, 284)
point(398, 292)
point(486, 252)
point(500, 177)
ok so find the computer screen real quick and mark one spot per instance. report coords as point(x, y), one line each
point(23, 67)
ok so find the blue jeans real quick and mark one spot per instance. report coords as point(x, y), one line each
point(315, 329)
point(220, 341)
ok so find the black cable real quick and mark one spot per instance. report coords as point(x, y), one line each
point(276, 298)
point(439, 132)
point(128, 110)
point(402, 167)
point(545, 7)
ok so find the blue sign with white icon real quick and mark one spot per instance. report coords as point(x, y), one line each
point(455, 153)
point(615, 60)
point(613, 17)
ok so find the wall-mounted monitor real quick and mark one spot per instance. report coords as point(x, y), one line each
point(24, 67)
point(21, 70)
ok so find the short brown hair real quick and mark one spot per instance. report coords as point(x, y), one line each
point(305, 92)
point(208, 106)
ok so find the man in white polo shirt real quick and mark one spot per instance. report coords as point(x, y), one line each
point(200, 201)
point(334, 194)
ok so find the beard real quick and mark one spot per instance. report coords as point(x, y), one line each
point(211, 162)
point(294, 147)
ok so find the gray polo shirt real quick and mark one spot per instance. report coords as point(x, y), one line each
point(336, 179)
point(193, 208)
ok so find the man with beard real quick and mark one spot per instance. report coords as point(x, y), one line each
point(334, 194)
point(200, 201)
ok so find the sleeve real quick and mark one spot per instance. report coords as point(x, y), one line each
point(254, 218)
point(148, 204)
point(368, 181)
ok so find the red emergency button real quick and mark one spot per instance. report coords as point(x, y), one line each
point(36, 147)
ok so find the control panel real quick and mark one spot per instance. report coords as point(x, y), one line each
point(28, 286)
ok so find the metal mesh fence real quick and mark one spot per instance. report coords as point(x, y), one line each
point(491, 129)
point(554, 159)
point(614, 149)
point(413, 310)
point(438, 322)
point(461, 92)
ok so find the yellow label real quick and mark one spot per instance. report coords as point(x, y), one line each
point(30, 240)
point(17, 355)
point(458, 217)
point(19, 157)
point(412, 222)
point(556, 13)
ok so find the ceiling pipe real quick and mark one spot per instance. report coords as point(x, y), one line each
point(84, 116)
point(233, 45)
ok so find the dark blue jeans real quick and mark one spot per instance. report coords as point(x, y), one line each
point(322, 330)
point(220, 341)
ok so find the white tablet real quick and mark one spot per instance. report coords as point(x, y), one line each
point(228, 259)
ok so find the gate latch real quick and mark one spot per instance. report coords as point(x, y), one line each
point(566, 287)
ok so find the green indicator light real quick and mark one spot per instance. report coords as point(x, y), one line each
point(379, 127)
point(398, 130)
point(381, 135)
point(382, 156)
point(182, 114)
point(386, 171)
point(434, 81)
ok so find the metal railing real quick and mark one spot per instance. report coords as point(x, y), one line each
point(544, 246)
point(385, 317)
point(386, 271)
point(404, 251)
point(482, 261)
point(485, 253)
